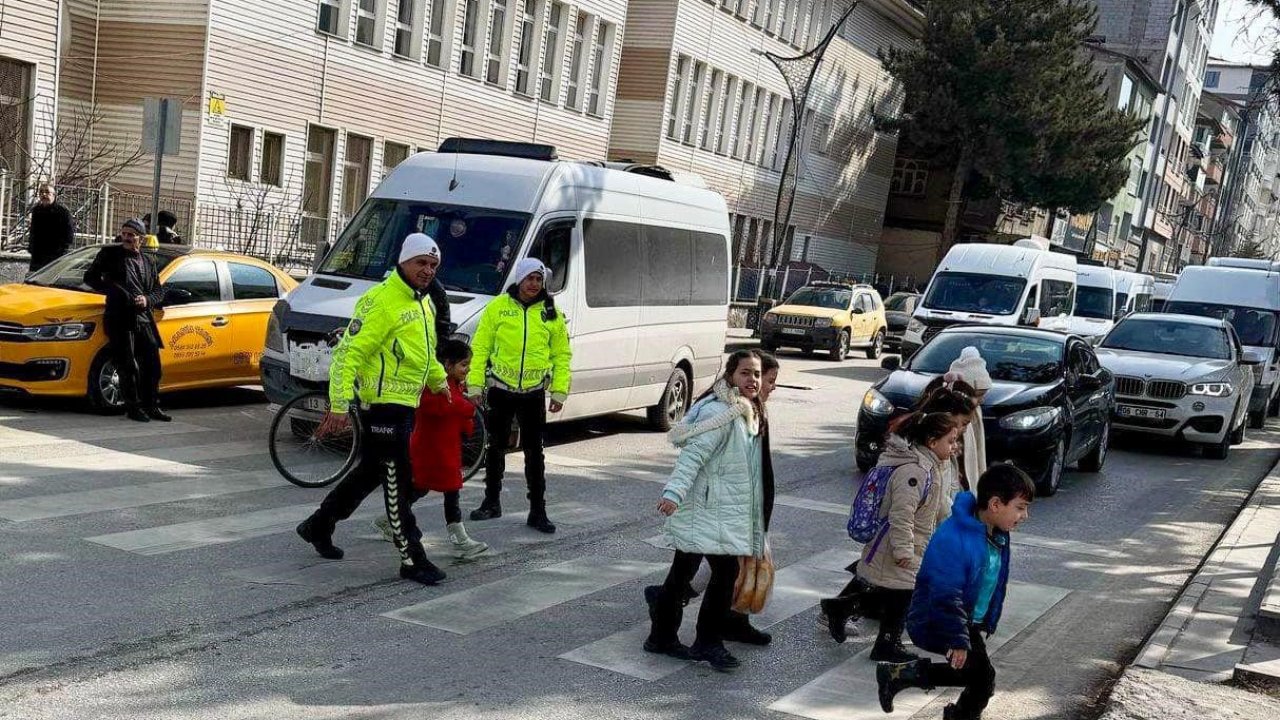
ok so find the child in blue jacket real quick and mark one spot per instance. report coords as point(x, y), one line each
point(960, 593)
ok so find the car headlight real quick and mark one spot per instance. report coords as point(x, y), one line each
point(770, 318)
point(275, 337)
point(1216, 389)
point(60, 331)
point(915, 327)
point(1033, 419)
point(823, 322)
point(876, 404)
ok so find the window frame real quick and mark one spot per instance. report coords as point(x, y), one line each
point(438, 33)
point(172, 282)
point(499, 31)
point(582, 29)
point(913, 169)
point(247, 153)
point(693, 103)
point(601, 69)
point(375, 18)
point(472, 20)
point(551, 68)
point(724, 124)
point(365, 172)
point(278, 165)
point(413, 26)
point(231, 280)
point(675, 107)
point(341, 11)
point(529, 48)
point(711, 110)
point(387, 145)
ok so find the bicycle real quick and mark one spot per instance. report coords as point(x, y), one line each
point(311, 461)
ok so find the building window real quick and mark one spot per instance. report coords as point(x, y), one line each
point(240, 154)
point(784, 18)
point(821, 135)
point(470, 29)
point(318, 177)
point(740, 113)
point(767, 129)
point(580, 32)
point(678, 82)
point(494, 71)
point(333, 16)
point(408, 37)
point(272, 169)
point(693, 101)
point(910, 177)
point(602, 67)
point(711, 110)
point(552, 55)
point(797, 22)
point(367, 16)
point(1211, 78)
point(724, 126)
point(435, 33)
point(527, 53)
point(784, 137)
point(393, 154)
point(355, 173)
point(753, 127)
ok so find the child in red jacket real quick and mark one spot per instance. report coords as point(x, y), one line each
point(435, 449)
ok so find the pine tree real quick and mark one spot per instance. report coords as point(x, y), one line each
point(1004, 91)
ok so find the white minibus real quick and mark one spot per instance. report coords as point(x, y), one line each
point(1133, 292)
point(1097, 303)
point(639, 260)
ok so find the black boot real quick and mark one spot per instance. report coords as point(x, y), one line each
point(890, 650)
point(538, 519)
point(155, 413)
point(422, 571)
point(319, 538)
point(662, 641)
point(136, 415)
point(953, 712)
point(490, 509)
point(893, 679)
point(839, 611)
point(717, 656)
point(737, 628)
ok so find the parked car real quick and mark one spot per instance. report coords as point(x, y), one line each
point(897, 313)
point(1049, 406)
point(828, 316)
point(1181, 376)
point(212, 323)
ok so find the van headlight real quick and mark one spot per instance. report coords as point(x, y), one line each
point(275, 337)
point(60, 331)
point(1033, 419)
point(876, 404)
point(915, 327)
point(1218, 390)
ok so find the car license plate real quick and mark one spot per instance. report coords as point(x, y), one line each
point(316, 404)
point(1140, 412)
point(792, 331)
point(309, 361)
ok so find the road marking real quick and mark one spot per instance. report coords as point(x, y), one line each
point(86, 502)
point(515, 597)
point(848, 691)
point(797, 587)
point(164, 461)
point(201, 533)
point(108, 430)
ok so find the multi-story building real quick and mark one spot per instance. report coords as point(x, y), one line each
point(1217, 129)
point(1247, 213)
point(1171, 38)
point(29, 49)
point(703, 99)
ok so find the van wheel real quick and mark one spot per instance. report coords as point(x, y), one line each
point(674, 403)
point(104, 391)
point(876, 347)
point(840, 347)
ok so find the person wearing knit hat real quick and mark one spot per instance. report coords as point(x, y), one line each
point(972, 369)
point(521, 355)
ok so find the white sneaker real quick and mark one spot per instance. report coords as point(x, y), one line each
point(463, 544)
point(382, 525)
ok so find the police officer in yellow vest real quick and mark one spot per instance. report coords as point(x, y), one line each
point(520, 354)
point(386, 358)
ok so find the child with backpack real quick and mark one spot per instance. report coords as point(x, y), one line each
point(435, 448)
point(960, 594)
point(895, 512)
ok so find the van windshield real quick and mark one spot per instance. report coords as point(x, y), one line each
point(1094, 302)
point(477, 245)
point(1256, 328)
point(1122, 301)
point(975, 293)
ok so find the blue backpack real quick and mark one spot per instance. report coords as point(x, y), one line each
point(865, 524)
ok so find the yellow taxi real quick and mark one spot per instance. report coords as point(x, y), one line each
point(827, 316)
point(213, 324)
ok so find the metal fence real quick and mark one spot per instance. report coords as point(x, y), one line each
point(750, 284)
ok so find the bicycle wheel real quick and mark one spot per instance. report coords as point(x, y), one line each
point(304, 459)
point(475, 447)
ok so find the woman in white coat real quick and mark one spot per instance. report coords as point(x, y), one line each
point(970, 368)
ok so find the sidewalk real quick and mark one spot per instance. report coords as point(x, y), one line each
point(1225, 626)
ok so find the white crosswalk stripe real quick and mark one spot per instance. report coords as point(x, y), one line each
point(176, 461)
point(848, 691)
point(13, 438)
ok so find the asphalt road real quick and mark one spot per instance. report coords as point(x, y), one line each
point(152, 572)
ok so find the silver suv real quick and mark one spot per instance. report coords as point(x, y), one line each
point(1180, 376)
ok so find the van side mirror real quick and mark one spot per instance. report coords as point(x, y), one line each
point(891, 362)
point(1031, 316)
point(1252, 357)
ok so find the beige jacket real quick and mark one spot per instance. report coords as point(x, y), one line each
point(913, 515)
point(975, 452)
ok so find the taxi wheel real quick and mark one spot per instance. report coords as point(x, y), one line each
point(104, 385)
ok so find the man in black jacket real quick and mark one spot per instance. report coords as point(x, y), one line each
point(52, 229)
point(128, 277)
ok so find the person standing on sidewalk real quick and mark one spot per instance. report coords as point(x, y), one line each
point(386, 357)
point(522, 353)
point(714, 503)
point(128, 277)
point(52, 231)
point(960, 593)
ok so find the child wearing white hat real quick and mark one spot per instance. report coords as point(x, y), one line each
point(972, 369)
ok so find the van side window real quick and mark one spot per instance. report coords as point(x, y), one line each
point(1058, 298)
point(552, 248)
point(1033, 299)
point(668, 266)
point(612, 258)
point(1142, 302)
point(710, 269)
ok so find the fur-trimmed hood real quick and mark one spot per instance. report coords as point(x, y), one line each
point(702, 418)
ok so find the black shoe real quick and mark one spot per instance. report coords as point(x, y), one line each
point(538, 521)
point(487, 511)
point(323, 543)
point(155, 413)
point(717, 656)
point(892, 652)
point(137, 415)
point(838, 612)
point(738, 629)
point(953, 712)
point(652, 598)
point(689, 594)
point(892, 679)
point(422, 571)
point(670, 648)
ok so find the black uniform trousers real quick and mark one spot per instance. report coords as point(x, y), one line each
point(716, 601)
point(977, 677)
point(384, 461)
point(136, 353)
point(530, 409)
